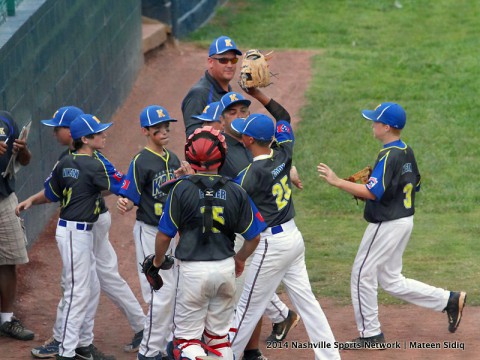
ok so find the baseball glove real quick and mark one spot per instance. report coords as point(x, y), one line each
point(254, 71)
point(361, 176)
point(151, 271)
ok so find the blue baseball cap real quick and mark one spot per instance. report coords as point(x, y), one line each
point(233, 98)
point(63, 116)
point(153, 115)
point(387, 113)
point(258, 126)
point(211, 112)
point(222, 45)
point(87, 124)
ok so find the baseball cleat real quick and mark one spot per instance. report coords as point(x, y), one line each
point(135, 343)
point(91, 353)
point(280, 330)
point(16, 330)
point(48, 350)
point(365, 343)
point(454, 309)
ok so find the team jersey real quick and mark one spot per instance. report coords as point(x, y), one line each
point(77, 181)
point(267, 178)
point(231, 208)
point(115, 176)
point(394, 181)
point(148, 171)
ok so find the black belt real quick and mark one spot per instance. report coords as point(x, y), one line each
point(80, 226)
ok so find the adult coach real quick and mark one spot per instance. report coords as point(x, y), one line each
point(12, 238)
point(221, 68)
point(389, 208)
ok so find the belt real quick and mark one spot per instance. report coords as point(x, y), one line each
point(277, 229)
point(79, 225)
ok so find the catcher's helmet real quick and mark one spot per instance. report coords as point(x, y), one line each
point(206, 149)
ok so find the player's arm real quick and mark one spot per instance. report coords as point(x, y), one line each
point(273, 107)
point(162, 242)
point(36, 199)
point(359, 190)
point(242, 255)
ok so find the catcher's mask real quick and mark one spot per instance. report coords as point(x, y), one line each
point(206, 149)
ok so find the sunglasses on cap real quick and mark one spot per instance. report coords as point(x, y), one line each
point(225, 60)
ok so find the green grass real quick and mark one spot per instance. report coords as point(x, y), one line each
point(423, 56)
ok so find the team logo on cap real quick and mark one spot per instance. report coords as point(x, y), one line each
point(96, 119)
point(228, 42)
point(206, 108)
point(2, 131)
point(160, 113)
point(233, 97)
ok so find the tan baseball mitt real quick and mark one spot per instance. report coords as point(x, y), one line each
point(361, 176)
point(255, 71)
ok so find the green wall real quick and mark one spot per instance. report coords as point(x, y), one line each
point(64, 52)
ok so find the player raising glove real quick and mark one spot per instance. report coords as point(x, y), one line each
point(151, 271)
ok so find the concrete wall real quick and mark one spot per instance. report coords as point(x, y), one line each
point(65, 52)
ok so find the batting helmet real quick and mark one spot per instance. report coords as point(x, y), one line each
point(206, 149)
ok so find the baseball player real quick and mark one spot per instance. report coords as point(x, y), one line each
point(238, 158)
point(389, 208)
point(207, 210)
point(280, 256)
point(12, 238)
point(110, 281)
point(77, 181)
point(222, 60)
point(149, 169)
point(211, 116)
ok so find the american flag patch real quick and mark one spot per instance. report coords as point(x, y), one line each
point(118, 175)
point(126, 184)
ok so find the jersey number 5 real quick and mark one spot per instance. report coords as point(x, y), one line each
point(282, 192)
point(217, 215)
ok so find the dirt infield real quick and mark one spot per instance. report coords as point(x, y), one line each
point(165, 78)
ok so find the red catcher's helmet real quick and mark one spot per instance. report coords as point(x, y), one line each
point(205, 149)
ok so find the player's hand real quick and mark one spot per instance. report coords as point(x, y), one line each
point(123, 206)
point(184, 169)
point(295, 178)
point(19, 145)
point(326, 173)
point(239, 266)
point(24, 205)
point(3, 147)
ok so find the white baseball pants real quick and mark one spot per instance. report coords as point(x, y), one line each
point(279, 258)
point(379, 261)
point(79, 285)
point(110, 281)
point(276, 309)
point(158, 325)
